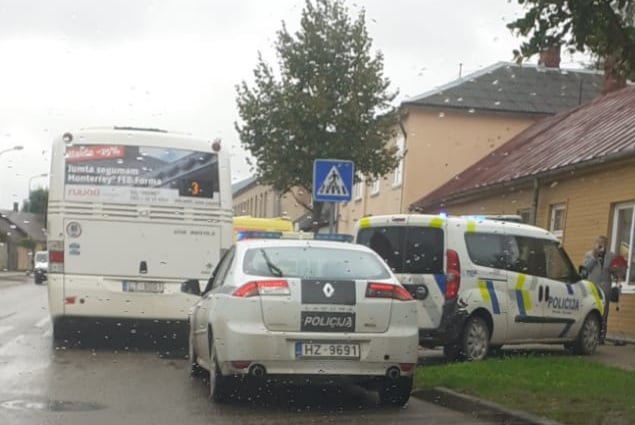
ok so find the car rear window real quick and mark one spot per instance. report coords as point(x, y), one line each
point(41, 258)
point(406, 249)
point(313, 263)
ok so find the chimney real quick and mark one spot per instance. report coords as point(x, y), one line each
point(550, 57)
point(612, 78)
point(15, 207)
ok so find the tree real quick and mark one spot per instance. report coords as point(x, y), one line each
point(328, 100)
point(604, 28)
point(36, 204)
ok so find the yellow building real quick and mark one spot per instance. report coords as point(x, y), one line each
point(261, 201)
point(573, 174)
point(448, 129)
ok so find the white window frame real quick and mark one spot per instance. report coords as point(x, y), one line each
point(553, 210)
point(374, 186)
point(358, 188)
point(627, 287)
point(397, 178)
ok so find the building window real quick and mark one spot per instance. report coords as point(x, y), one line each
point(623, 240)
point(374, 186)
point(397, 177)
point(556, 223)
point(358, 188)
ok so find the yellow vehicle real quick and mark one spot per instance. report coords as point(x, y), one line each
point(246, 223)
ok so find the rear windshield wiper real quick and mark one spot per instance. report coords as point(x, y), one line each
point(273, 269)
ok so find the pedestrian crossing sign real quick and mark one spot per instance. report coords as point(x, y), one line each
point(332, 180)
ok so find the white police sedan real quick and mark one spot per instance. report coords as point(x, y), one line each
point(320, 311)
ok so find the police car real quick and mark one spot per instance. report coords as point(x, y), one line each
point(483, 283)
point(311, 311)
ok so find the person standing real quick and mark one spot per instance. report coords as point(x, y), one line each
point(597, 264)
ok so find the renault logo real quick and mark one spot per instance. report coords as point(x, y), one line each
point(328, 290)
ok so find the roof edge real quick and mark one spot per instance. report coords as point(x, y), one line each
point(615, 157)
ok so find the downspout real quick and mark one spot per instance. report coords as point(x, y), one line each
point(402, 208)
point(533, 213)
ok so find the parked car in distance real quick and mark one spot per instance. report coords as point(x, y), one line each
point(40, 266)
point(305, 311)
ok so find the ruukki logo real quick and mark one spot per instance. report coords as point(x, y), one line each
point(82, 192)
point(88, 153)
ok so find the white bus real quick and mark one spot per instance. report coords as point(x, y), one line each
point(132, 213)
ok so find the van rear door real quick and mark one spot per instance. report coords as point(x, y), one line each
point(414, 248)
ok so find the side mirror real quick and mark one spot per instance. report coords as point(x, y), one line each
point(191, 286)
point(583, 272)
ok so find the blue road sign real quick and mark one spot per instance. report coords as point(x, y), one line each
point(332, 180)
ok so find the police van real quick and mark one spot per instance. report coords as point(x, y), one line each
point(483, 283)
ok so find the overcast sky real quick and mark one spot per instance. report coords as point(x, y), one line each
point(174, 64)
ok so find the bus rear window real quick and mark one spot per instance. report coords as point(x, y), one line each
point(138, 174)
point(406, 249)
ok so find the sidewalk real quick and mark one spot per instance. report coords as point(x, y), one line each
point(622, 356)
point(10, 278)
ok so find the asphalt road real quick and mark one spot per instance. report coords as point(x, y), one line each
point(103, 380)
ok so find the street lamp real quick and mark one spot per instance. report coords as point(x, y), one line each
point(15, 148)
point(35, 177)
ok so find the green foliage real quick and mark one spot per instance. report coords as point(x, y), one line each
point(604, 28)
point(36, 204)
point(329, 100)
point(28, 243)
point(570, 390)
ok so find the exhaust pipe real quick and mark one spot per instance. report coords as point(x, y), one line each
point(257, 370)
point(393, 373)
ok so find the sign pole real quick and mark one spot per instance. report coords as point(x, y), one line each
point(332, 218)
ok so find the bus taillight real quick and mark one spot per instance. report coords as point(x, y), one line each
point(56, 256)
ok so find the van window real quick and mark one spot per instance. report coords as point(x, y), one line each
point(406, 249)
point(488, 249)
point(520, 254)
point(545, 258)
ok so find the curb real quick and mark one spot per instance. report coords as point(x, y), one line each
point(478, 408)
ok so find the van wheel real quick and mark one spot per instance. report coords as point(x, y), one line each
point(589, 336)
point(395, 392)
point(475, 339)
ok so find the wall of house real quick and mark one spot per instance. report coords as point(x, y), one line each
point(262, 201)
point(442, 143)
point(256, 200)
point(510, 201)
point(589, 198)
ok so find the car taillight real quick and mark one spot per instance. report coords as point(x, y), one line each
point(262, 287)
point(453, 275)
point(56, 256)
point(387, 290)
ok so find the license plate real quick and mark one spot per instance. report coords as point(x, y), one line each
point(151, 287)
point(331, 350)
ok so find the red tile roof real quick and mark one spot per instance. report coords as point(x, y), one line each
point(600, 130)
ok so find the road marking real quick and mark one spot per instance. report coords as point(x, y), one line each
point(5, 329)
point(48, 333)
point(42, 322)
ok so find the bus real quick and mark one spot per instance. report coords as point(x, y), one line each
point(133, 213)
point(246, 223)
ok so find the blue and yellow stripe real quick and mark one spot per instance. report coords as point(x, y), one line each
point(489, 294)
point(522, 296)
